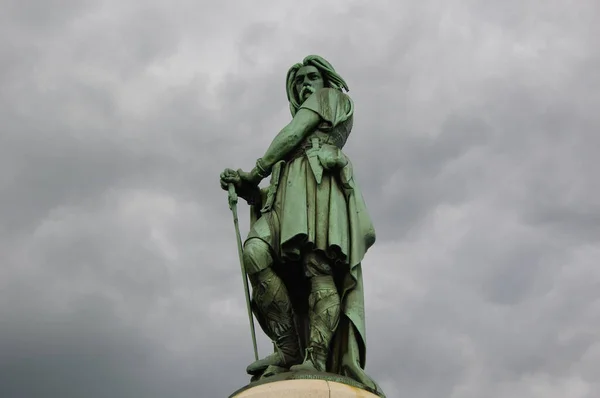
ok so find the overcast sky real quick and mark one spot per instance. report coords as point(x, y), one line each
point(475, 140)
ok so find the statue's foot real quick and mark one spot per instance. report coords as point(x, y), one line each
point(259, 366)
point(307, 366)
point(272, 370)
point(276, 360)
point(315, 361)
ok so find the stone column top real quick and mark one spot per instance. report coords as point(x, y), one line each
point(304, 389)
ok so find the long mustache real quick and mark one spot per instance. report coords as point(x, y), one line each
point(305, 89)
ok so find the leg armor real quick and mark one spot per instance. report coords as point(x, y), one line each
point(272, 307)
point(324, 313)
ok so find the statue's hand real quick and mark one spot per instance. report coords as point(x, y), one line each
point(248, 179)
point(230, 176)
point(240, 179)
point(246, 185)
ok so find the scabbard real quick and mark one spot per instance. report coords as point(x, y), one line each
point(273, 186)
point(312, 155)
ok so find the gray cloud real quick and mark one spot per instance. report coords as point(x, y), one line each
point(475, 144)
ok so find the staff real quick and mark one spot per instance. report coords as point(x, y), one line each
point(233, 206)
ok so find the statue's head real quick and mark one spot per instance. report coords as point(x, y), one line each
point(305, 78)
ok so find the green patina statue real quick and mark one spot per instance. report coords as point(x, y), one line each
point(309, 233)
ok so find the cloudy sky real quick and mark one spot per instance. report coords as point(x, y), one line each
point(475, 141)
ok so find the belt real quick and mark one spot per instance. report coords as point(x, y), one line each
point(301, 149)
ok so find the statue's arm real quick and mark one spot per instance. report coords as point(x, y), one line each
point(288, 138)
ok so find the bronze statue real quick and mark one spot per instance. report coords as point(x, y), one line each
point(309, 233)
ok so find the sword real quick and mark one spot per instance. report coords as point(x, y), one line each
point(233, 206)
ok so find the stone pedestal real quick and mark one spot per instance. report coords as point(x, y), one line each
point(305, 385)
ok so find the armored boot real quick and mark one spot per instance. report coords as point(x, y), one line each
point(273, 310)
point(324, 316)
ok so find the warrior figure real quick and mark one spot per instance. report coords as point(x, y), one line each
point(309, 233)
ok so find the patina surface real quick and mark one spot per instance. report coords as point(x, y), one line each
point(309, 232)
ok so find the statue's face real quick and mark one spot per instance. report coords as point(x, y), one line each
point(308, 80)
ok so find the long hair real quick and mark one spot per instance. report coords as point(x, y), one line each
point(330, 77)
